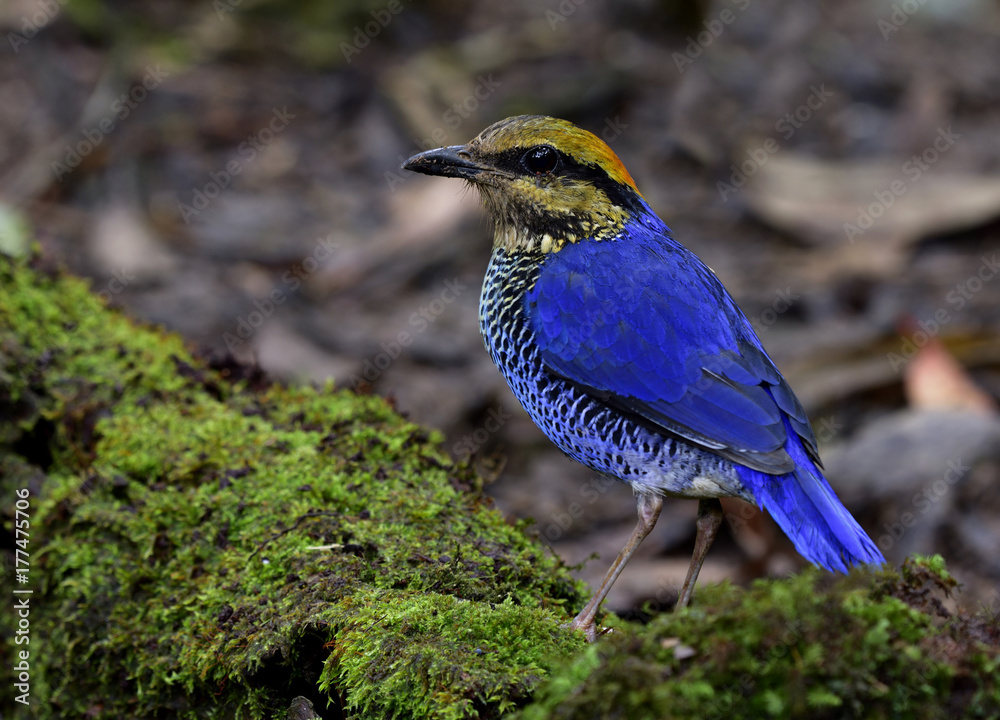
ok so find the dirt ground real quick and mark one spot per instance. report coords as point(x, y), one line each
point(231, 170)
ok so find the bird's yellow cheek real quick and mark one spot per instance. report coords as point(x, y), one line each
point(581, 201)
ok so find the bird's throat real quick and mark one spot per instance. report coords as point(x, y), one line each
point(536, 222)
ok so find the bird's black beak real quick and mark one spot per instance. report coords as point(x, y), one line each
point(451, 161)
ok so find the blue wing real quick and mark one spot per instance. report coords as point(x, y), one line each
point(643, 325)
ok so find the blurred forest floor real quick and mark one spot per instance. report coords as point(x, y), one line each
point(231, 170)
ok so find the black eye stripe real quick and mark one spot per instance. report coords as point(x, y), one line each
point(540, 160)
point(512, 160)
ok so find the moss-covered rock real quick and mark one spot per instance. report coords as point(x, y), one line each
point(205, 544)
point(201, 547)
point(867, 645)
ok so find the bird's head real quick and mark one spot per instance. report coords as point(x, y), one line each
point(545, 182)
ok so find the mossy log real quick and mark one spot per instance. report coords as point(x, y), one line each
point(204, 543)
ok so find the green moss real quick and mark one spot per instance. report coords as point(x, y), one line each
point(803, 647)
point(205, 544)
point(394, 643)
point(207, 548)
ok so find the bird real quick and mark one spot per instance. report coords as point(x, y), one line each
point(628, 352)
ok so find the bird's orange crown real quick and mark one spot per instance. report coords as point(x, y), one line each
point(525, 131)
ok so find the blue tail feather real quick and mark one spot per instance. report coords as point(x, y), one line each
point(812, 516)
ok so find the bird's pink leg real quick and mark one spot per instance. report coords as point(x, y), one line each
point(649, 507)
point(708, 523)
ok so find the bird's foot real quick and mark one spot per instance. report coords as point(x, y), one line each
point(585, 625)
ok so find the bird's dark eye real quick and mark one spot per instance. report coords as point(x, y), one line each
point(540, 160)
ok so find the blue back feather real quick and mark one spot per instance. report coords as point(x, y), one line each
point(642, 324)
